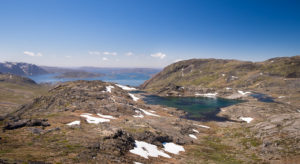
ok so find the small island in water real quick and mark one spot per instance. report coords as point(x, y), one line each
point(78, 74)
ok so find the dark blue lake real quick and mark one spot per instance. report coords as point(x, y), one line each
point(198, 108)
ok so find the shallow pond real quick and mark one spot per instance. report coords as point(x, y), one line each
point(262, 97)
point(198, 108)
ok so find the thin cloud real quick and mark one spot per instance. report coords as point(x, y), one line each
point(129, 54)
point(104, 59)
point(159, 55)
point(102, 53)
point(177, 60)
point(32, 53)
point(68, 56)
point(110, 53)
point(94, 53)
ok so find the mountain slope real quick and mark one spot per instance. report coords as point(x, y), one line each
point(218, 74)
point(16, 90)
point(23, 69)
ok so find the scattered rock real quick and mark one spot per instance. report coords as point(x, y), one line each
point(26, 122)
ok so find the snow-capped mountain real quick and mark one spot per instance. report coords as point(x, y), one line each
point(21, 68)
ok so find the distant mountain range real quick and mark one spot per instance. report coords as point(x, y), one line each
point(23, 69)
point(26, 69)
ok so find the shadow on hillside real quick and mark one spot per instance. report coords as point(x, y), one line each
point(209, 116)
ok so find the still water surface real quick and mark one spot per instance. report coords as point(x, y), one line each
point(198, 108)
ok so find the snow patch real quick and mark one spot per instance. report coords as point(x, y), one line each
point(106, 116)
point(74, 123)
point(227, 88)
point(134, 98)
point(93, 120)
point(243, 93)
point(202, 126)
point(137, 163)
point(196, 131)
point(247, 119)
point(192, 136)
point(207, 94)
point(223, 74)
point(139, 114)
point(146, 150)
point(280, 97)
point(125, 87)
point(172, 148)
point(108, 88)
point(148, 113)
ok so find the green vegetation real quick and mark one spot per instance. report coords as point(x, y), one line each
point(212, 150)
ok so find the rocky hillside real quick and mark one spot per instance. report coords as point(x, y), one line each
point(273, 125)
point(218, 73)
point(23, 69)
point(10, 78)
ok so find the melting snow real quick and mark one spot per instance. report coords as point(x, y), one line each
point(108, 88)
point(148, 113)
point(74, 123)
point(223, 74)
point(145, 150)
point(106, 116)
point(133, 97)
point(192, 136)
point(137, 163)
point(207, 94)
point(93, 120)
point(172, 148)
point(243, 93)
point(247, 119)
point(228, 88)
point(139, 114)
point(280, 97)
point(125, 87)
point(196, 131)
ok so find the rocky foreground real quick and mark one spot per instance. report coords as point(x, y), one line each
point(95, 122)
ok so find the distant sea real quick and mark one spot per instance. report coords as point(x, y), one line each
point(132, 77)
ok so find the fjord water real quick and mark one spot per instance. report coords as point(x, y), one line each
point(112, 75)
point(197, 108)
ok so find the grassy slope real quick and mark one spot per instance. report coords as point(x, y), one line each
point(209, 73)
point(12, 95)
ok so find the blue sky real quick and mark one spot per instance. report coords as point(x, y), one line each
point(146, 33)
